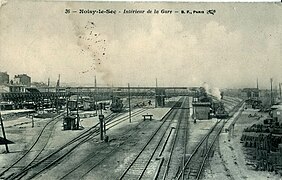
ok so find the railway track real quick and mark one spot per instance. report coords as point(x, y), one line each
point(173, 163)
point(174, 158)
point(122, 119)
point(35, 149)
point(96, 158)
point(43, 162)
point(194, 166)
point(142, 163)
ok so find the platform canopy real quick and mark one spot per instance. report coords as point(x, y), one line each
point(5, 141)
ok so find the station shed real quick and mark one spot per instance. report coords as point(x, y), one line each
point(70, 123)
point(201, 110)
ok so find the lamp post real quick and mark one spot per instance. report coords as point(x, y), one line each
point(102, 125)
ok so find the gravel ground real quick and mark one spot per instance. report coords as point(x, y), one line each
point(139, 132)
point(229, 161)
point(23, 135)
point(19, 130)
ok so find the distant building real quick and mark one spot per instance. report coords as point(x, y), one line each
point(22, 79)
point(38, 84)
point(7, 88)
point(250, 93)
point(4, 78)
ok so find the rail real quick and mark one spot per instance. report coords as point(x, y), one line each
point(52, 123)
point(83, 171)
point(150, 147)
point(40, 165)
point(199, 145)
point(208, 147)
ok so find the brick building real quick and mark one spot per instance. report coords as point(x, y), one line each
point(4, 78)
point(22, 79)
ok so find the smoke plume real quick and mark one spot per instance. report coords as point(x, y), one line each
point(214, 91)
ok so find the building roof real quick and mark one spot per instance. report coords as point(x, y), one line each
point(21, 75)
point(13, 85)
point(250, 89)
point(32, 90)
point(201, 103)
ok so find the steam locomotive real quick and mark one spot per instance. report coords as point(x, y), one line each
point(116, 105)
point(219, 110)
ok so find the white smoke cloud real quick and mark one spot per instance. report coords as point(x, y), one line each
point(206, 87)
point(214, 91)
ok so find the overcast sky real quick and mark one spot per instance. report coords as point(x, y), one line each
point(234, 47)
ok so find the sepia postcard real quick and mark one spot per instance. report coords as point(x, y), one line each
point(140, 90)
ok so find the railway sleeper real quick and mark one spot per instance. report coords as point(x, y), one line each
point(131, 176)
point(193, 172)
point(137, 169)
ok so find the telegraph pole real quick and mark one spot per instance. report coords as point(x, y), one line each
point(48, 84)
point(257, 90)
point(57, 89)
point(156, 82)
point(77, 116)
point(67, 106)
point(129, 103)
point(156, 98)
point(271, 96)
point(280, 90)
point(4, 135)
point(95, 101)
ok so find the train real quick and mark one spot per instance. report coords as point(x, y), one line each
point(117, 105)
point(219, 110)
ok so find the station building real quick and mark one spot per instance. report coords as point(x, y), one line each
point(201, 110)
